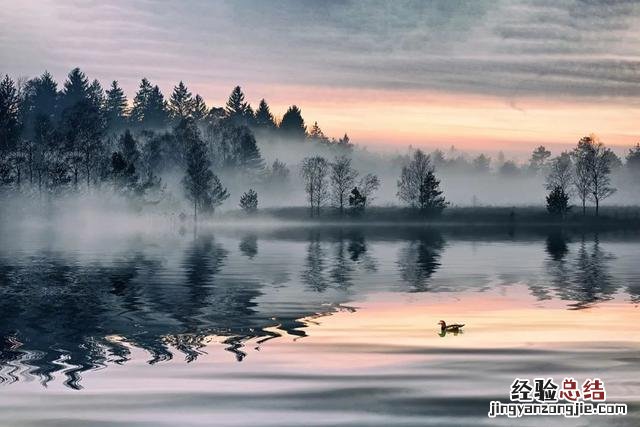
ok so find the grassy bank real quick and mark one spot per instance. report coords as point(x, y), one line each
point(611, 216)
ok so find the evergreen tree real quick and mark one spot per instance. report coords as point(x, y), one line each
point(558, 202)
point(236, 107)
point(141, 102)
point(292, 124)
point(199, 109)
point(156, 114)
point(149, 109)
point(345, 144)
point(115, 107)
point(249, 201)
point(76, 89)
point(9, 109)
point(249, 158)
point(202, 187)
point(40, 102)
point(357, 201)
point(263, 118)
point(316, 135)
point(181, 103)
point(96, 94)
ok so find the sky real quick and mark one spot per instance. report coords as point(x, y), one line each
point(481, 75)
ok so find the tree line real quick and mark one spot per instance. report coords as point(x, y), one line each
point(78, 137)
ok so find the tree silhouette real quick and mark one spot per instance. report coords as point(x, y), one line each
point(418, 185)
point(181, 103)
point(263, 117)
point(342, 178)
point(314, 173)
point(558, 202)
point(236, 107)
point(115, 107)
point(199, 109)
point(292, 124)
point(538, 158)
point(9, 108)
point(249, 201)
point(560, 173)
point(316, 135)
point(201, 185)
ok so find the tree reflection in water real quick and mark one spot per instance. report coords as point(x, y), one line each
point(420, 258)
point(67, 312)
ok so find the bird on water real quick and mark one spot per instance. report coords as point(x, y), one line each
point(455, 328)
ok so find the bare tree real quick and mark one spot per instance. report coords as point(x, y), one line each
point(592, 178)
point(368, 185)
point(343, 178)
point(314, 172)
point(600, 171)
point(581, 176)
point(560, 173)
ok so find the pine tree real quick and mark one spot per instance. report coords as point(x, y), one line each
point(199, 109)
point(181, 102)
point(141, 101)
point(263, 117)
point(156, 114)
point(96, 94)
point(9, 109)
point(40, 101)
point(236, 107)
point(249, 158)
point(202, 187)
point(558, 202)
point(345, 144)
point(292, 124)
point(76, 88)
point(316, 135)
point(115, 107)
point(249, 201)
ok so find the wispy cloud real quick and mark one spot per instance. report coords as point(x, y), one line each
point(530, 48)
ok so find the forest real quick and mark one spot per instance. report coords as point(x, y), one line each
point(178, 156)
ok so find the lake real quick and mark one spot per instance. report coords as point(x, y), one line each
point(304, 325)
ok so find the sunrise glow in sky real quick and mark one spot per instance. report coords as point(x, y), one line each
point(481, 75)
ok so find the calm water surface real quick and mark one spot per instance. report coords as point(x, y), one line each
point(309, 326)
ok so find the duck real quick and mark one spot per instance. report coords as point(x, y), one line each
point(455, 328)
